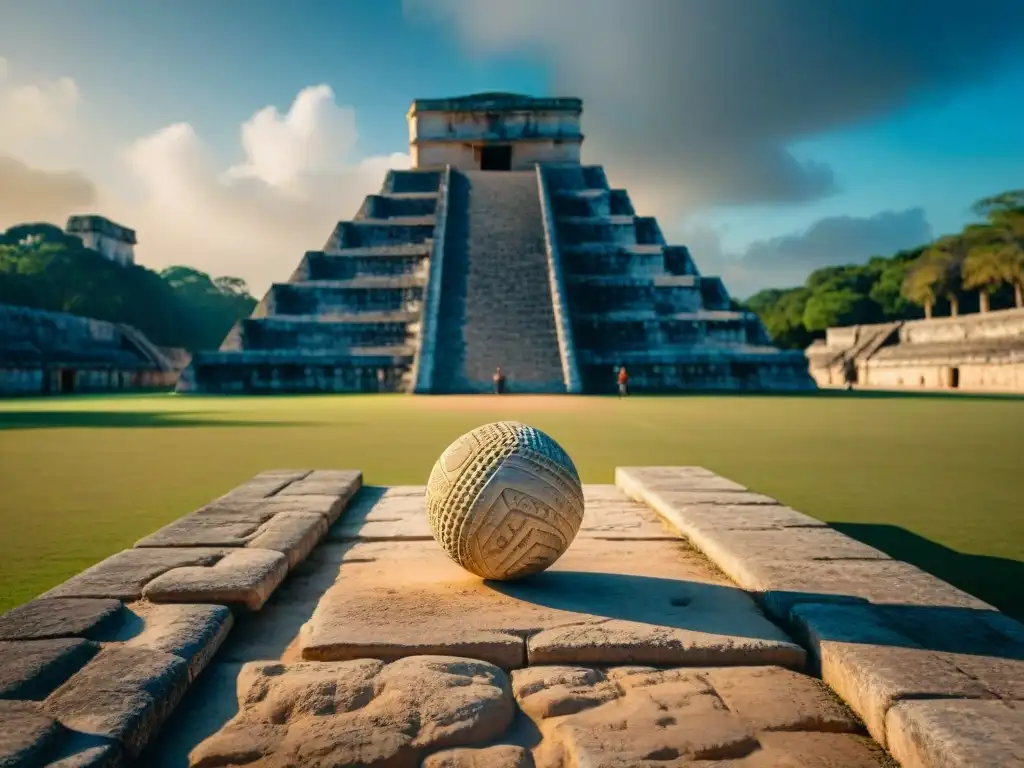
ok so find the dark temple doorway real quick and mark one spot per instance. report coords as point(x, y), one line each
point(67, 380)
point(497, 158)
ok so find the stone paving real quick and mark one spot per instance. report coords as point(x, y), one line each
point(296, 622)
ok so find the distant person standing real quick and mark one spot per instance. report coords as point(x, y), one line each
point(382, 380)
point(499, 381)
point(623, 382)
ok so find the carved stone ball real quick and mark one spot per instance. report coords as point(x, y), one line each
point(504, 501)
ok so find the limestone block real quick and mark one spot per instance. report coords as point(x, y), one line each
point(266, 484)
point(326, 482)
point(383, 514)
point(956, 733)
point(652, 602)
point(83, 751)
point(208, 529)
point(611, 515)
point(32, 669)
point(871, 665)
point(627, 717)
point(738, 552)
point(123, 694)
point(59, 617)
point(360, 712)
point(243, 577)
point(193, 633)
point(500, 756)
point(293, 534)
point(125, 574)
point(26, 733)
point(261, 510)
point(783, 584)
point(676, 478)
point(723, 517)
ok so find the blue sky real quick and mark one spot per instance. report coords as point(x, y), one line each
point(887, 123)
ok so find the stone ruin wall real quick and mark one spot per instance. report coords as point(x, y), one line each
point(977, 352)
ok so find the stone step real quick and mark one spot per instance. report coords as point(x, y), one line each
point(325, 334)
point(378, 232)
point(496, 307)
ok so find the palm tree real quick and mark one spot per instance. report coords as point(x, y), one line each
point(919, 286)
point(943, 261)
point(1001, 251)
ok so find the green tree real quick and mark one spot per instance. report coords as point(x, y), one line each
point(998, 256)
point(936, 273)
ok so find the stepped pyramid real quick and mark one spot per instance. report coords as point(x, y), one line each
point(498, 248)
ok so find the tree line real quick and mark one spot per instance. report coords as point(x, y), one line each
point(977, 269)
point(43, 267)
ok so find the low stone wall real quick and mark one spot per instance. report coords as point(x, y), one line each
point(936, 674)
point(975, 377)
point(559, 299)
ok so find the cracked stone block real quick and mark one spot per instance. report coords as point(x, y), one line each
point(326, 482)
point(243, 577)
point(125, 574)
point(293, 533)
point(361, 712)
point(637, 716)
point(872, 665)
point(650, 602)
point(956, 733)
point(499, 756)
point(59, 617)
point(26, 733)
point(123, 694)
point(786, 583)
point(32, 669)
point(261, 510)
point(193, 633)
point(265, 484)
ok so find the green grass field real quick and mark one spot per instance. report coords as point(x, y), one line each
point(931, 479)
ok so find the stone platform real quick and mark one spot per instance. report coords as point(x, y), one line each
point(304, 620)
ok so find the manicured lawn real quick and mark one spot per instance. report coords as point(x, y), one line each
point(935, 480)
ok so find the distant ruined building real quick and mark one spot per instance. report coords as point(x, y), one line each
point(499, 248)
point(978, 352)
point(100, 234)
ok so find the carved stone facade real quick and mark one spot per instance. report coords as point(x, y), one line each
point(498, 249)
point(979, 352)
point(102, 235)
point(45, 353)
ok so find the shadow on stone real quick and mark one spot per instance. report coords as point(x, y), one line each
point(995, 580)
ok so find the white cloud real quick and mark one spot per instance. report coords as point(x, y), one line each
point(254, 220)
point(35, 112)
point(299, 176)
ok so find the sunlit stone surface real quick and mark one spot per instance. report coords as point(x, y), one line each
point(504, 501)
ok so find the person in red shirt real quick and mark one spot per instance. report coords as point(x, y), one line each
point(623, 382)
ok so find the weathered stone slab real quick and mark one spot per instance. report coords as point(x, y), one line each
point(360, 712)
point(123, 694)
point(611, 515)
point(82, 750)
point(871, 665)
point(242, 577)
point(265, 484)
point(679, 479)
point(385, 514)
point(652, 602)
point(261, 510)
point(326, 482)
point(629, 716)
point(955, 733)
point(125, 574)
point(500, 756)
point(32, 669)
point(26, 734)
point(59, 617)
point(293, 534)
point(193, 633)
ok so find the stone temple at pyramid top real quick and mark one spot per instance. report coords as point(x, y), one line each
point(494, 132)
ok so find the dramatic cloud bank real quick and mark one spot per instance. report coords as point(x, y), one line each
point(299, 176)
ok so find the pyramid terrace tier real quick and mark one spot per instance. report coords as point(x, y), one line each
point(643, 329)
point(329, 332)
point(408, 205)
point(663, 294)
point(620, 230)
point(590, 203)
point(370, 233)
point(301, 370)
point(369, 293)
point(615, 260)
point(384, 260)
point(697, 368)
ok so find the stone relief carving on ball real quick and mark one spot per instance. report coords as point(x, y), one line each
point(504, 501)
